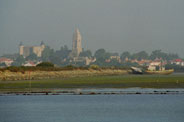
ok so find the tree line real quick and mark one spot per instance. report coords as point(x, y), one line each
point(62, 57)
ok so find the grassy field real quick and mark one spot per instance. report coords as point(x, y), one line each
point(38, 75)
point(123, 81)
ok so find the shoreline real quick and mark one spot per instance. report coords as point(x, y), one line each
point(124, 91)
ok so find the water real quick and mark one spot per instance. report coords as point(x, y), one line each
point(92, 108)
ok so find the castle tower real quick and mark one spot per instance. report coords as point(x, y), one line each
point(38, 49)
point(77, 45)
point(27, 50)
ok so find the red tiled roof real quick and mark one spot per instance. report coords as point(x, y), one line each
point(5, 59)
point(178, 60)
point(32, 63)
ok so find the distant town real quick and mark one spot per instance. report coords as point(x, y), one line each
point(77, 56)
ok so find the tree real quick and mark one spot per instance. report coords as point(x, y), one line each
point(32, 56)
point(16, 64)
point(125, 55)
point(177, 68)
point(55, 59)
point(114, 62)
point(173, 56)
point(3, 65)
point(140, 55)
point(65, 47)
point(47, 52)
point(86, 53)
point(19, 61)
point(158, 54)
point(63, 53)
point(102, 55)
point(107, 55)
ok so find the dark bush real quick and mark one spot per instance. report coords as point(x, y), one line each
point(69, 67)
point(45, 64)
point(13, 69)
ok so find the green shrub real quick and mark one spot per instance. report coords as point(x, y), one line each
point(95, 67)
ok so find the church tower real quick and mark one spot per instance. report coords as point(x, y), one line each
point(76, 45)
point(21, 48)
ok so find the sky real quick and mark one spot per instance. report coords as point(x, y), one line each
point(115, 25)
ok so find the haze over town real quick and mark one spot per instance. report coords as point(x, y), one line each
point(116, 25)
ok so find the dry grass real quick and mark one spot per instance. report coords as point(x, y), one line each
point(36, 75)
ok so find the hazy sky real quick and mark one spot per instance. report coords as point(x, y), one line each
point(116, 25)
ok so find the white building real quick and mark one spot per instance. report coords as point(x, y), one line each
point(154, 65)
point(178, 62)
point(7, 61)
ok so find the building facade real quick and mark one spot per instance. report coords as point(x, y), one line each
point(27, 50)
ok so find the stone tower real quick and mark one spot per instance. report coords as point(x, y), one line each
point(77, 45)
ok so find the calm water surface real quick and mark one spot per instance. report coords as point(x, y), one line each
point(92, 108)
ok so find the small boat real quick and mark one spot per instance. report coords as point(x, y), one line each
point(136, 70)
point(161, 72)
point(158, 69)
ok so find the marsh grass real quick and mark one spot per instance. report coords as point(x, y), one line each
point(120, 81)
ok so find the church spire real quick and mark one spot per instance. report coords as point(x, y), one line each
point(21, 43)
point(77, 46)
